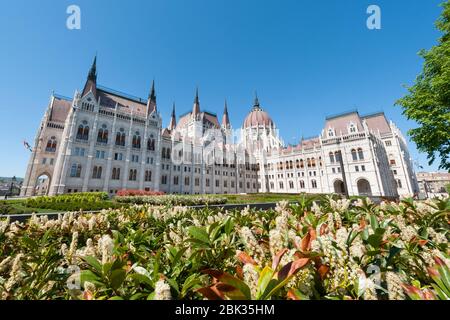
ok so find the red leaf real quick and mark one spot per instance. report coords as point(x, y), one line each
point(245, 258)
point(305, 245)
point(211, 293)
point(291, 295)
point(292, 268)
point(276, 260)
point(239, 272)
point(323, 270)
point(323, 229)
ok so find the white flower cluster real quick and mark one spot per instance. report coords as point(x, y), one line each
point(162, 290)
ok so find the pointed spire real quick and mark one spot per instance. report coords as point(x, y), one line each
point(91, 82)
point(196, 107)
point(196, 100)
point(225, 118)
point(151, 103)
point(256, 103)
point(173, 119)
point(93, 71)
point(152, 94)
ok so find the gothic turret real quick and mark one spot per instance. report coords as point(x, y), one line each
point(173, 120)
point(225, 119)
point(151, 103)
point(91, 82)
point(196, 107)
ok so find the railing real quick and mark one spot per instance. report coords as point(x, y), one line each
point(55, 125)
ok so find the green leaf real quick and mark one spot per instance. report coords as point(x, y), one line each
point(117, 278)
point(94, 263)
point(264, 278)
point(373, 222)
point(199, 234)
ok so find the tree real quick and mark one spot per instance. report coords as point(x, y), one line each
point(428, 100)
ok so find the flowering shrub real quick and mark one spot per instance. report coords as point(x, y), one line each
point(335, 250)
point(127, 193)
point(173, 200)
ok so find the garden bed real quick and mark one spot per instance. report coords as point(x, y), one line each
point(334, 250)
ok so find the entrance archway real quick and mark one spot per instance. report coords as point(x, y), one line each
point(364, 188)
point(339, 187)
point(42, 186)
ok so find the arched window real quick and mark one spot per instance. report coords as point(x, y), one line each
point(331, 157)
point(330, 132)
point(151, 143)
point(297, 164)
point(163, 153)
point(120, 137)
point(352, 128)
point(83, 131)
point(337, 156)
point(291, 164)
point(168, 153)
point(313, 162)
point(314, 184)
point(302, 184)
point(133, 175)
point(97, 172)
point(51, 145)
point(354, 155)
point(136, 140)
point(148, 176)
point(102, 136)
point(360, 154)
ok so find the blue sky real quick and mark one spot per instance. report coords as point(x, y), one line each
point(306, 59)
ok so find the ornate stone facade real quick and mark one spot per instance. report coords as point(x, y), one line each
point(104, 140)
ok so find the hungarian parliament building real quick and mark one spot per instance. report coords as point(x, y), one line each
point(104, 140)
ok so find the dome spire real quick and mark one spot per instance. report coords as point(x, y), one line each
point(256, 105)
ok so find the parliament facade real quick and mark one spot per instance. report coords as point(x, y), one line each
point(104, 140)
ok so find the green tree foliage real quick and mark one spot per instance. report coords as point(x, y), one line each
point(428, 100)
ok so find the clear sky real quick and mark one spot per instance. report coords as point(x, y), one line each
point(306, 59)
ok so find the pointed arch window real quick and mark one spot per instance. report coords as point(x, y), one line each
point(120, 137)
point(51, 145)
point(360, 154)
point(352, 128)
point(136, 143)
point(330, 132)
point(331, 157)
point(83, 131)
point(133, 175)
point(148, 176)
point(102, 136)
point(151, 143)
point(354, 155)
point(97, 172)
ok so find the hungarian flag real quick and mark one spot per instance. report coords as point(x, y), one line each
point(27, 145)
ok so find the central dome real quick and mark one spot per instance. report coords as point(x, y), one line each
point(257, 117)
